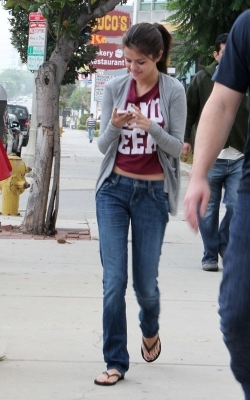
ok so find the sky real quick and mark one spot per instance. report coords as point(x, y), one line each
point(9, 55)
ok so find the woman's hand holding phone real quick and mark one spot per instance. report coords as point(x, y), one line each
point(121, 117)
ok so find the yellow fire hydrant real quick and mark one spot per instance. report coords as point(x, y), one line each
point(13, 186)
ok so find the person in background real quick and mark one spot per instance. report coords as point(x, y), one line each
point(141, 136)
point(226, 171)
point(91, 121)
point(68, 120)
point(232, 80)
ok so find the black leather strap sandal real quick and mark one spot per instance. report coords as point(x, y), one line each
point(149, 349)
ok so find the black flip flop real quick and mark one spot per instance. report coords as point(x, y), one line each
point(149, 349)
point(120, 378)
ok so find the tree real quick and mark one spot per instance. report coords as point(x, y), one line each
point(65, 93)
point(68, 21)
point(198, 23)
point(80, 99)
point(16, 82)
point(85, 53)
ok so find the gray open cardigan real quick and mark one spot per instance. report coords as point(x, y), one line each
point(169, 139)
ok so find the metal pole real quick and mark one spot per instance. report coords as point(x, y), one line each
point(135, 11)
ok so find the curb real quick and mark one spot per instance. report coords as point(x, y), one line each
point(61, 235)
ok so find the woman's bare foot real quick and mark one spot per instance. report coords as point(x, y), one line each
point(108, 378)
point(151, 348)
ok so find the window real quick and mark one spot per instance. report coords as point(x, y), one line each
point(159, 4)
point(146, 5)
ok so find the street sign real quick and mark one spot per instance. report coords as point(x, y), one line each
point(34, 62)
point(100, 81)
point(37, 34)
point(36, 16)
point(35, 51)
point(36, 44)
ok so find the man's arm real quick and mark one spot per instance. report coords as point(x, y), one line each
point(193, 110)
point(214, 126)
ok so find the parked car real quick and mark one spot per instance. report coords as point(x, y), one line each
point(3, 127)
point(17, 134)
point(23, 116)
point(13, 137)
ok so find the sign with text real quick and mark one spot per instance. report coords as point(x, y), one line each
point(100, 81)
point(37, 34)
point(97, 39)
point(34, 62)
point(36, 44)
point(113, 24)
point(109, 57)
point(36, 16)
point(35, 51)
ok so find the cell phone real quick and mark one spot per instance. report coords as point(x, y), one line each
point(120, 112)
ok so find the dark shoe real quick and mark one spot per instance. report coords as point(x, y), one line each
point(119, 378)
point(210, 267)
point(149, 349)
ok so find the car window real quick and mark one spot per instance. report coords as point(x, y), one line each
point(18, 111)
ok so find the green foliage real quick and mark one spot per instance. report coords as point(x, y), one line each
point(61, 22)
point(81, 127)
point(80, 99)
point(65, 93)
point(198, 24)
point(84, 118)
point(96, 133)
point(17, 4)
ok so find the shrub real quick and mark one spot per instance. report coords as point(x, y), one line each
point(84, 118)
point(81, 127)
point(96, 133)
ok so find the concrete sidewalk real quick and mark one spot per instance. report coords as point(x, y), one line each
point(51, 308)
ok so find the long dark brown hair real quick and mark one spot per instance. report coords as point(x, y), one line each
point(149, 39)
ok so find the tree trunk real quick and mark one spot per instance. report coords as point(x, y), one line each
point(47, 150)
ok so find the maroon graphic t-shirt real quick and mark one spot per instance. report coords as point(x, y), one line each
point(137, 149)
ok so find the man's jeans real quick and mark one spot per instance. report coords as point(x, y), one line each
point(121, 201)
point(234, 297)
point(91, 133)
point(224, 174)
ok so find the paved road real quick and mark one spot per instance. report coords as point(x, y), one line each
point(51, 302)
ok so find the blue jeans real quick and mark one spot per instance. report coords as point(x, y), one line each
point(234, 299)
point(223, 174)
point(121, 201)
point(91, 133)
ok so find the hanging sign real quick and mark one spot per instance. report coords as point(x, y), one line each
point(109, 56)
point(113, 24)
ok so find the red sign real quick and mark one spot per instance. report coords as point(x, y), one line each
point(109, 56)
point(97, 39)
point(36, 16)
point(113, 24)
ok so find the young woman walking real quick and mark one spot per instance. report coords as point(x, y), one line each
point(141, 134)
